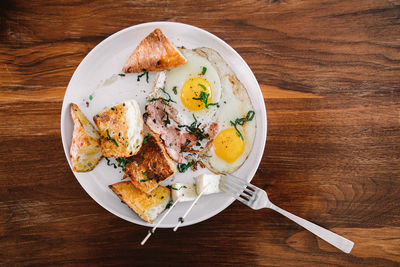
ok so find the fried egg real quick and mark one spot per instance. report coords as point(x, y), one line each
point(190, 87)
point(231, 146)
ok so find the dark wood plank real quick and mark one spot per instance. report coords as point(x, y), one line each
point(330, 75)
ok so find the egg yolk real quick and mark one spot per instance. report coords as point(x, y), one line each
point(228, 145)
point(193, 88)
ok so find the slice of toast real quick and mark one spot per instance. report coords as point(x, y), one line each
point(148, 207)
point(121, 128)
point(154, 53)
point(85, 151)
point(150, 166)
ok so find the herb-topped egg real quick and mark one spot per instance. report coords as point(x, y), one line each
point(194, 88)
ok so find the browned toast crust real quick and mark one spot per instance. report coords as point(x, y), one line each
point(150, 166)
point(140, 202)
point(113, 126)
point(154, 53)
point(85, 150)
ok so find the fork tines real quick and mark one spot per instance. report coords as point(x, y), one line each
point(240, 189)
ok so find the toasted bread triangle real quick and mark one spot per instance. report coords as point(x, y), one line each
point(85, 151)
point(154, 53)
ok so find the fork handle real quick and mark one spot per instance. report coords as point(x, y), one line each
point(336, 240)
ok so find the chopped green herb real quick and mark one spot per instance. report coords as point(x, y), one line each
point(145, 175)
point(162, 197)
point(173, 188)
point(187, 142)
point(163, 100)
point(141, 75)
point(109, 163)
point(169, 205)
point(111, 139)
point(184, 167)
point(166, 121)
point(194, 128)
point(90, 97)
point(146, 138)
point(122, 162)
point(202, 86)
point(122, 74)
point(241, 121)
point(174, 90)
point(203, 71)
point(204, 98)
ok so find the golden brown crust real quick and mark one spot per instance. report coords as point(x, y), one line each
point(113, 126)
point(154, 53)
point(150, 166)
point(85, 151)
point(140, 202)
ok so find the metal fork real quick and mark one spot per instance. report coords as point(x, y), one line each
point(256, 198)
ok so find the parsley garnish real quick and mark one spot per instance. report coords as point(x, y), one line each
point(203, 71)
point(141, 75)
point(146, 138)
point(145, 175)
point(166, 121)
point(110, 164)
point(173, 188)
point(204, 97)
point(90, 97)
point(122, 162)
point(184, 167)
point(249, 117)
point(174, 90)
point(111, 139)
point(170, 203)
point(194, 129)
point(163, 100)
point(122, 74)
point(202, 86)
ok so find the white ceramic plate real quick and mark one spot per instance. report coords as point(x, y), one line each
point(97, 75)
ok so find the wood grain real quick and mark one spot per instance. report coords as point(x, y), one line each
point(330, 75)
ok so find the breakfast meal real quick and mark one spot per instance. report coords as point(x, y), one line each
point(85, 151)
point(197, 115)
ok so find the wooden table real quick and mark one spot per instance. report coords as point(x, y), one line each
point(330, 75)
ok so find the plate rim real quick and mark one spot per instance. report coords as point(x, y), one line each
point(263, 131)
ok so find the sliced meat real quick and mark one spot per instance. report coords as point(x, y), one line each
point(153, 116)
point(172, 112)
point(172, 141)
point(188, 136)
point(213, 130)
